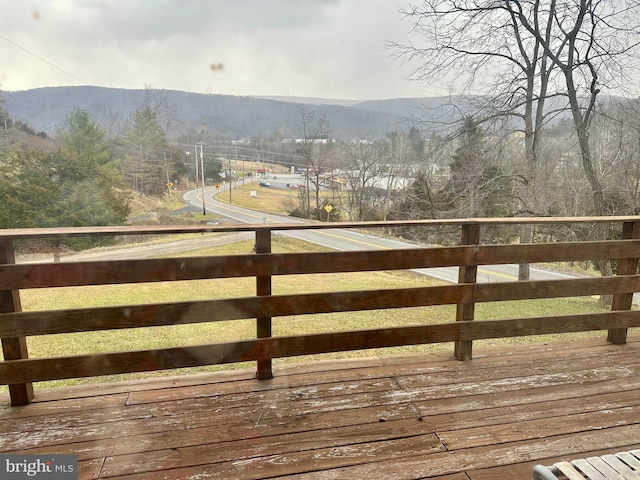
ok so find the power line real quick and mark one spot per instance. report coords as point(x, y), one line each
point(42, 59)
point(29, 123)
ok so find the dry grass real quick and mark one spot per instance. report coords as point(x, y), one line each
point(144, 204)
point(272, 200)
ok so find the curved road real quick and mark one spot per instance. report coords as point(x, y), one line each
point(349, 240)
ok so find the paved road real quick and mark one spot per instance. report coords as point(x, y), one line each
point(338, 239)
point(349, 240)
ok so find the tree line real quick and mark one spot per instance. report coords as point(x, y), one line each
point(475, 171)
point(85, 173)
point(532, 60)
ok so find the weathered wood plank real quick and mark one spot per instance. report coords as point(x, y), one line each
point(264, 288)
point(184, 434)
point(537, 428)
point(233, 407)
point(217, 380)
point(24, 276)
point(331, 475)
point(152, 382)
point(297, 426)
point(313, 460)
point(499, 383)
point(14, 346)
point(135, 316)
point(175, 229)
point(557, 252)
point(502, 353)
point(116, 423)
point(625, 266)
point(465, 310)
point(286, 406)
point(20, 371)
point(468, 406)
point(65, 405)
point(471, 389)
point(497, 356)
point(472, 459)
point(364, 440)
point(488, 359)
point(323, 387)
point(90, 468)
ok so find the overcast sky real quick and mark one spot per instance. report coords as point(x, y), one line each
point(318, 48)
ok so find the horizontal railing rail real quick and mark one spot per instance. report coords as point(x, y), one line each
point(18, 371)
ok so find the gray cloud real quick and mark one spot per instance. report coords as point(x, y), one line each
point(325, 48)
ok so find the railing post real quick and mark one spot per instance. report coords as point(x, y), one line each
point(263, 287)
point(14, 348)
point(467, 274)
point(626, 266)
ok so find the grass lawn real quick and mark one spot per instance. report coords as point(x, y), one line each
point(272, 200)
point(159, 337)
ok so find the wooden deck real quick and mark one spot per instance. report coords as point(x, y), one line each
point(403, 418)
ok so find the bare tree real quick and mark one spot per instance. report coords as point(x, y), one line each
point(403, 155)
point(316, 148)
point(616, 139)
point(526, 53)
point(364, 170)
point(110, 118)
point(159, 103)
point(588, 41)
point(484, 45)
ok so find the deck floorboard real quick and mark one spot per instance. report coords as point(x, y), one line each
point(413, 417)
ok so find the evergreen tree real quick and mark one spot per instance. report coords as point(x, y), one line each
point(76, 185)
point(417, 143)
point(477, 186)
point(90, 184)
point(27, 188)
point(5, 121)
point(145, 149)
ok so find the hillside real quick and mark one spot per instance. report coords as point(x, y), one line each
point(433, 109)
point(231, 116)
point(247, 117)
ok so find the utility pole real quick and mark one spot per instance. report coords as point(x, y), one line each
point(166, 167)
point(230, 182)
point(195, 167)
point(204, 210)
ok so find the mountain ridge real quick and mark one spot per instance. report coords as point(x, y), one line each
point(232, 116)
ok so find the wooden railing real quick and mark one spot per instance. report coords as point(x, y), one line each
point(18, 371)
